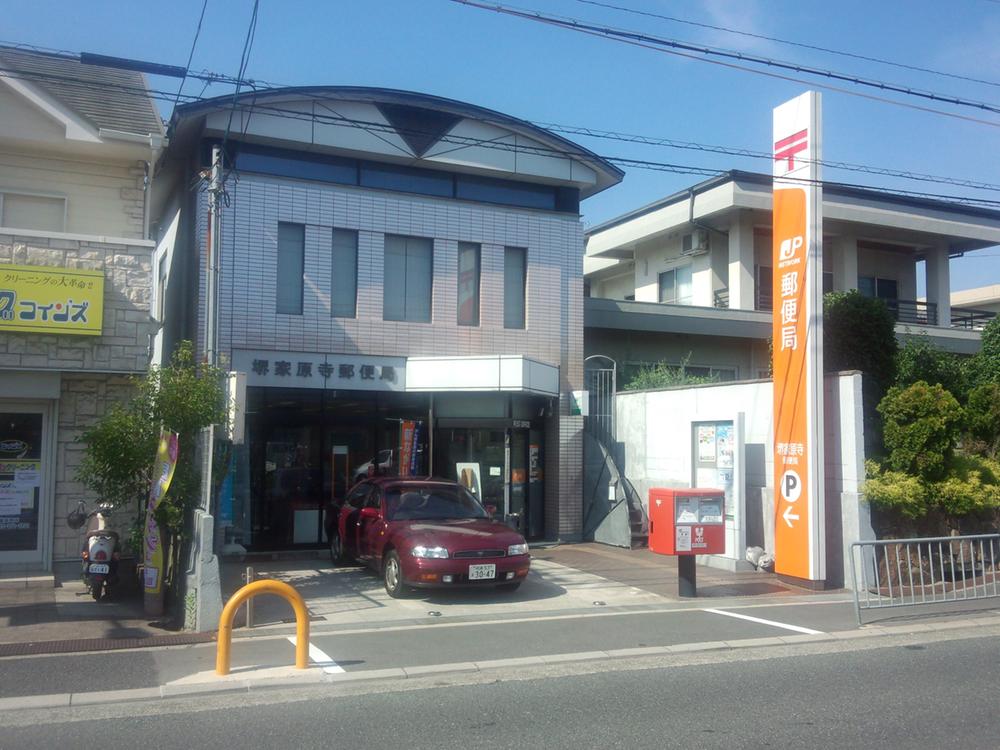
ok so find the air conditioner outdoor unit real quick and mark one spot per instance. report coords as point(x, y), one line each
point(695, 243)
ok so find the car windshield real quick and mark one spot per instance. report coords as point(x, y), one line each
point(417, 503)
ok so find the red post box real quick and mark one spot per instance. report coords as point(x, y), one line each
point(687, 522)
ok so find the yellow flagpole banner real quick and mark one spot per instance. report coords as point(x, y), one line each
point(166, 462)
point(43, 299)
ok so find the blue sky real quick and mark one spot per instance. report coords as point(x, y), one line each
point(546, 74)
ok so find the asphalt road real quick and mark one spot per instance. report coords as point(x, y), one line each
point(905, 693)
point(440, 641)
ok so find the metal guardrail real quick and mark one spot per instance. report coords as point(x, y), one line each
point(911, 572)
point(970, 318)
point(913, 311)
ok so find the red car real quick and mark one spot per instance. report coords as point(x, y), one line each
point(426, 533)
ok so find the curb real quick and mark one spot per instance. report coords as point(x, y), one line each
point(315, 676)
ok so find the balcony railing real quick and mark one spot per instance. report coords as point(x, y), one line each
point(763, 300)
point(913, 311)
point(722, 298)
point(970, 319)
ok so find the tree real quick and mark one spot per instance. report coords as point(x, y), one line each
point(182, 397)
point(859, 333)
point(918, 359)
point(921, 425)
point(987, 361)
point(982, 420)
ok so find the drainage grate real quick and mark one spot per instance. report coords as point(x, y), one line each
point(102, 644)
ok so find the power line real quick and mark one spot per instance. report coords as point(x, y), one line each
point(212, 77)
point(467, 141)
point(803, 45)
point(194, 44)
point(753, 154)
point(695, 52)
point(244, 60)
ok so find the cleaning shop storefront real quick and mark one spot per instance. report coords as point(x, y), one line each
point(318, 423)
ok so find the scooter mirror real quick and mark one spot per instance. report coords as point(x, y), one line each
point(77, 518)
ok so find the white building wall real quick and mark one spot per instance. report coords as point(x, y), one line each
point(102, 199)
point(656, 429)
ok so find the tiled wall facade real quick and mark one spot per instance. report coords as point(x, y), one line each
point(554, 329)
point(93, 369)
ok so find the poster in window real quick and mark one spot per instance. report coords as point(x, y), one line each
point(724, 445)
point(706, 443)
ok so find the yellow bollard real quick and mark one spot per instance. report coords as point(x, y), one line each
point(267, 586)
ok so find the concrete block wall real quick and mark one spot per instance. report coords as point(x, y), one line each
point(554, 294)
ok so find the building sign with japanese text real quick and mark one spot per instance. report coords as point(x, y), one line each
point(798, 340)
point(349, 372)
point(43, 299)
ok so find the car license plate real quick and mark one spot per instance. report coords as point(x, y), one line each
point(97, 568)
point(482, 572)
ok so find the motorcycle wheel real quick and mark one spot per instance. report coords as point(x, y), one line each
point(95, 590)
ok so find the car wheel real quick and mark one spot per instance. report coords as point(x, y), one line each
point(336, 549)
point(509, 586)
point(392, 576)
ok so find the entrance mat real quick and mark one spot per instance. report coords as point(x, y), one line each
point(102, 644)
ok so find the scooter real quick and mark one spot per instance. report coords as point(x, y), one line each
point(100, 552)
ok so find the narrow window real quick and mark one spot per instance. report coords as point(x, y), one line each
point(344, 282)
point(408, 279)
point(291, 261)
point(514, 277)
point(468, 284)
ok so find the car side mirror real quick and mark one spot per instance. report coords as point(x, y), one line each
point(370, 513)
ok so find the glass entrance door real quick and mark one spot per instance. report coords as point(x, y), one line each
point(476, 458)
point(22, 469)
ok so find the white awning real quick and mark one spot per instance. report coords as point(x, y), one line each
point(482, 373)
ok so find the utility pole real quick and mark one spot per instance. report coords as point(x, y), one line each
point(203, 579)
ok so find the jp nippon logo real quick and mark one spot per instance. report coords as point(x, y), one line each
point(788, 147)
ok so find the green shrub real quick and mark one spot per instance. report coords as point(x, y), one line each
point(921, 425)
point(662, 375)
point(895, 492)
point(918, 359)
point(982, 420)
point(859, 333)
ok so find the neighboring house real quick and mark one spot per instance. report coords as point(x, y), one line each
point(401, 276)
point(77, 143)
point(976, 306)
point(688, 278)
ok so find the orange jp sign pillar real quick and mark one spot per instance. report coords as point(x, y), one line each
point(799, 524)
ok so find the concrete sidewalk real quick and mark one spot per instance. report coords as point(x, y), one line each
point(65, 613)
point(564, 578)
point(657, 574)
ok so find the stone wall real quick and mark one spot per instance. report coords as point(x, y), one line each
point(124, 341)
point(83, 400)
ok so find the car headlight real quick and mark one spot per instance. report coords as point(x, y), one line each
point(437, 553)
point(517, 549)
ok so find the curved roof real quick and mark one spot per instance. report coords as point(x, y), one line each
point(608, 173)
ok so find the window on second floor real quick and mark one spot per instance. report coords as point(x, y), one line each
point(44, 213)
point(344, 277)
point(291, 265)
point(675, 286)
point(468, 284)
point(515, 271)
point(872, 286)
point(408, 278)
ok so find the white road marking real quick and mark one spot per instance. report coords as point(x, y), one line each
point(762, 621)
point(320, 658)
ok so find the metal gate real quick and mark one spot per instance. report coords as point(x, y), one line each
point(601, 383)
